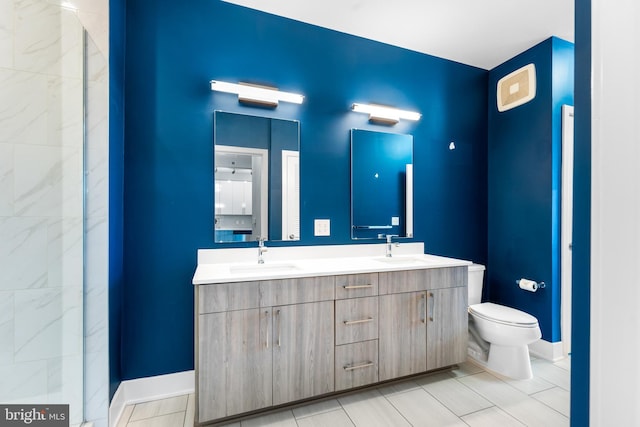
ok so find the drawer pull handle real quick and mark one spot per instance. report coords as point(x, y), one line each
point(355, 322)
point(357, 286)
point(423, 318)
point(352, 367)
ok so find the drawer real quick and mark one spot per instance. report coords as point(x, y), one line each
point(356, 364)
point(356, 320)
point(297, 290)
point(356, 285)
point(227, 297)
point(421, 280)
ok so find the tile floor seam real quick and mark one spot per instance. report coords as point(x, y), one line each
point(321, 413)
point(155, 416)
point(451, 410)
point(500, 409)
point(126, 422)
point(545, 404)
point(345, 411)
point(479, 410)
point(398, 410)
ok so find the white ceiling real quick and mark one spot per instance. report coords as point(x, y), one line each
point(482, 33)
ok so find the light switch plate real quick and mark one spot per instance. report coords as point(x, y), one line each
point(322, 227)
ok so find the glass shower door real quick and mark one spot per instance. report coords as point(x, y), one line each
point(41, 205)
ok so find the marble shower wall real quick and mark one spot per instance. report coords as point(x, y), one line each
point(41, 204)
point(97, 237)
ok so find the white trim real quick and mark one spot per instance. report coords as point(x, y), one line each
point(409, 201)
point(552, 351)
point(290, 195)
point(566, 223)
point(151, 388)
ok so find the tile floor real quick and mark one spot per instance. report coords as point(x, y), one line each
point(467, 396)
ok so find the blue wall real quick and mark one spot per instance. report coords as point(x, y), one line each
point(581, 301)
point(116, 187)
point(524, 185)
point(172, 52)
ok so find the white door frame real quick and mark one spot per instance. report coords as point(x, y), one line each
point(260, 182)
point(290, 195)
point(566, 227)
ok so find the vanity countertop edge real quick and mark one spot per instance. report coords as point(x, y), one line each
point(208, 273)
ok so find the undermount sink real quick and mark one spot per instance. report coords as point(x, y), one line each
point(404, 260)
point(262, 268)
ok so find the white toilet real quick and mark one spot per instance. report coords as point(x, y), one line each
point(502, 332)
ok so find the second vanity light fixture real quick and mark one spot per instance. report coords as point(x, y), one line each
point(256, 94)
point(384, 114)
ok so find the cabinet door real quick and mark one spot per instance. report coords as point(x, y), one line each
point(224, 197)
point(402, 334)
point(303, 351)
point(234, 363)
point(447, 327)
point(248, 198)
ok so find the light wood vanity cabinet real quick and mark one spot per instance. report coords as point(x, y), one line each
point(267, 343)
point(253, 358)
point(423, 320)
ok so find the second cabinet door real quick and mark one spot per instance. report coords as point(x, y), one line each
point(303, 351)
point(402, 335)
point(447, 327)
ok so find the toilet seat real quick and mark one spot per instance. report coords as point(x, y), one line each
point(503, 315)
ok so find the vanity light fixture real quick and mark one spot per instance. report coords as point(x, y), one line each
point(384, 114)
point(255, 94)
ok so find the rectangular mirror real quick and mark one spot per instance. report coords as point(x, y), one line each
point(381, 184)
point(257, 178)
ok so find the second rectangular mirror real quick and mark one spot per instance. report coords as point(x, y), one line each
point(381, 184)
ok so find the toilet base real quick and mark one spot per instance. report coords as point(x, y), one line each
point(510, 361)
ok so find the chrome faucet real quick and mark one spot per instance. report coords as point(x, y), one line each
point(261, 249)
point(389, 247)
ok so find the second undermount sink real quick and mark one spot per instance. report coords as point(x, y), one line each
point(403, 260)
point(262, 268)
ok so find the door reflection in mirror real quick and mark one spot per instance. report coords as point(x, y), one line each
point(256, 174)
point(379, 190)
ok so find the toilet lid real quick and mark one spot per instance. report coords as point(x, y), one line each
point(502, 314)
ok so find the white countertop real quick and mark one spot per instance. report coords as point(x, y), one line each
point(364, 260)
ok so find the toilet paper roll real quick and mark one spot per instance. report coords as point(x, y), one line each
point(528, 285)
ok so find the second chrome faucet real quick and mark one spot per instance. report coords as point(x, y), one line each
point(261, 249)
point(389, 247)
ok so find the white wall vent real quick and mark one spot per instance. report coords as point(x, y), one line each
point(517, 88)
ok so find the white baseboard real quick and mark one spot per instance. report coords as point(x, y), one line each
point(151, 388)
point(551, 351)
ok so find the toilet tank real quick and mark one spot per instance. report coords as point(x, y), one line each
point(476, 279)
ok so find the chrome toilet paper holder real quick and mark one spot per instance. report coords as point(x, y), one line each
point(541, 285)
